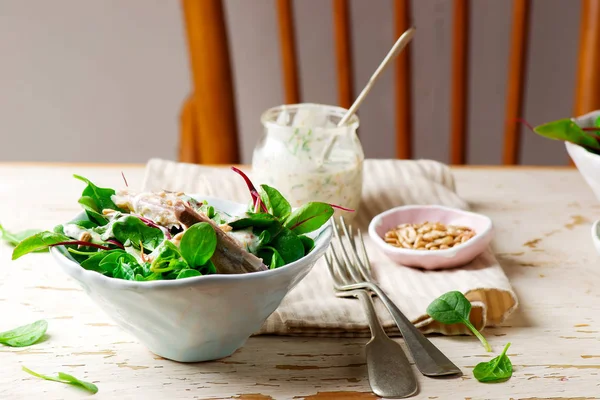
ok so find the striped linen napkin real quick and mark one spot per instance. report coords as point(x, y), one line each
point(311, 308)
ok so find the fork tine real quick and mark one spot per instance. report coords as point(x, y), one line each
point(338, 266)
point(334, 277)
point(358, 265)
point(365, 264)
point(348, 265)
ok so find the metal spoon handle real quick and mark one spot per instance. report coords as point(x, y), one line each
point(390, 374)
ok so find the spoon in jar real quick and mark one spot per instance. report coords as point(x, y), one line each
point(400, 44)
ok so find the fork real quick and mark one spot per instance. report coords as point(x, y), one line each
point(428, 358)
point(390, 374)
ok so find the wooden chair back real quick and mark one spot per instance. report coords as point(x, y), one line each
point(208, 119)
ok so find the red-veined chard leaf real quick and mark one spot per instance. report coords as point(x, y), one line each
point(308, 218)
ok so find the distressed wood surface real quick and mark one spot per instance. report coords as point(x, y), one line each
point(542, 219)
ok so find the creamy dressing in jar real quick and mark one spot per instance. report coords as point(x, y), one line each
point(289, 156)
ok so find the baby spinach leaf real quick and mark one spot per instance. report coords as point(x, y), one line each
point(271, 257)
point(37, 242)
point(95, 262)
point(275, 202)
point(308, 243)
point(198, 244)
point(208, 268)
point(132, 229)
point(188, 273)
point(92, 210)
point(276, 260)
point(84, 221)
point(498, 369)
point(452, 308)
point(311, 216)
point(124, 270)
point(101, 196)
point(288, 245)
point(258, 220)
point(263, 239)
point(25, 335)
point(168, 259)
point(65, 378)
point(567, 130)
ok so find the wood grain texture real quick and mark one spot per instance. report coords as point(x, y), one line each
point(587, 89)
point(189, 131)
point(343, 52)
point(539, 254)
point(403, 77)
point(459, 89)
point(516, 80)
point(213, 86)
point(289, 58)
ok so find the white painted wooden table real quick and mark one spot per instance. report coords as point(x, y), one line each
point(542, 218)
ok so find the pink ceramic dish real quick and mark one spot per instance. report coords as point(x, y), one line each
point(432, 259)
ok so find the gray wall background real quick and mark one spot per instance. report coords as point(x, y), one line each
point(104, 80)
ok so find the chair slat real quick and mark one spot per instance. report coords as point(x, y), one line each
point(343, 52)
point(213, 85)
point(516, 81)
point(189, 129)
point(458, 103)
point(403, 83)
point(587, 89)
point(289, 57)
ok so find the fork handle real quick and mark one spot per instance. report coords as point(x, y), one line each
point(428, 358)
point(390, 374)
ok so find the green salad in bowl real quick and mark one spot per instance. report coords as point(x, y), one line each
point(164, 235)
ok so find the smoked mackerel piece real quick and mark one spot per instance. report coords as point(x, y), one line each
point(229, 256)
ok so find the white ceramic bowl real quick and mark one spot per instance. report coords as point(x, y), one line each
point(596, 235)
point(432, 259)
point(587, 163)
point(200, 318)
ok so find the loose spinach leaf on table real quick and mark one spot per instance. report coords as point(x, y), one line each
point(275, 202)
point(65, 378)
point(25, 335)
point(130, 229)
point(452, 308)
point(14, 238)
point(198, 244)
point(498, 369)
point(38, 242)
point(311, 216)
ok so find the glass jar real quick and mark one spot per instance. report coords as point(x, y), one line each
point(305, 156)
